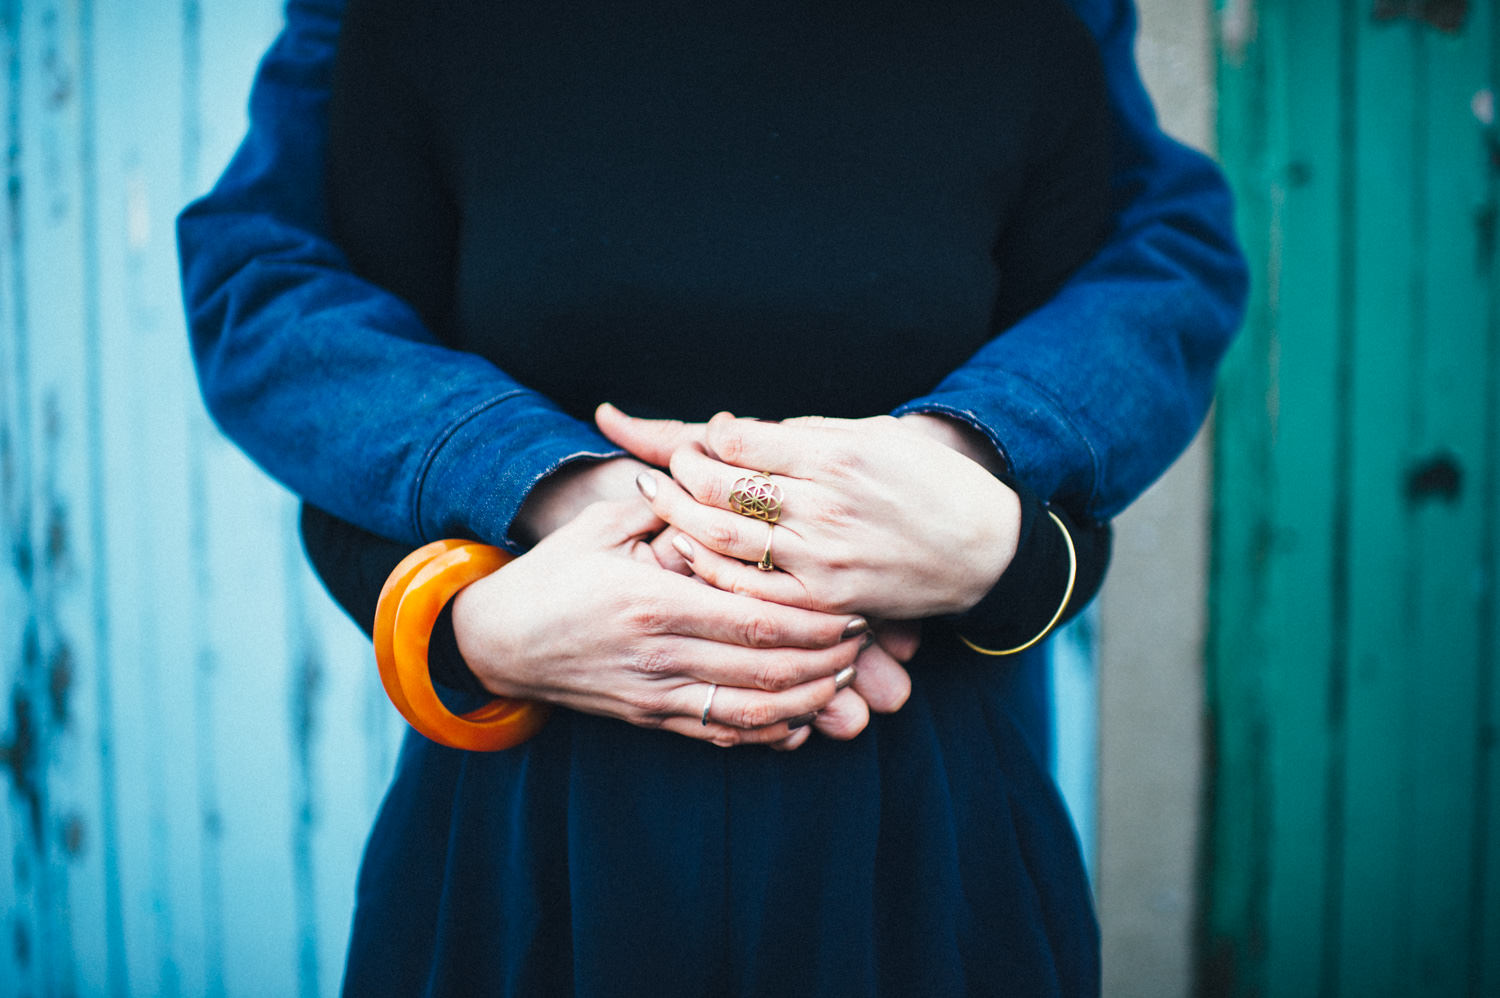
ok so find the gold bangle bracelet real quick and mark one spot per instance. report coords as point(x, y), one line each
point(1067, 595)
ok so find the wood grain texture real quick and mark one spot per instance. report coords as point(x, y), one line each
point(193, 742)
point(1352, 841)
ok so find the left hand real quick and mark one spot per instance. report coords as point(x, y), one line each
point(878, 516)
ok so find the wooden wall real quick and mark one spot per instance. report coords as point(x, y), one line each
point(1355, 693)
point(191, 741)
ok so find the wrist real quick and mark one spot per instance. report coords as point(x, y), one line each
point(958, 436)
point(562, 495)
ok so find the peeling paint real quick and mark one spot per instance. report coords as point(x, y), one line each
point(56, 533)
point(18, 756)
point(21, 943)
point(60, 675)
point(72, 837)
point(1445, 15)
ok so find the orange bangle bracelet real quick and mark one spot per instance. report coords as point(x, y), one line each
point(413, 596)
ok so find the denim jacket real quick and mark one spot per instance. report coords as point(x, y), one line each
point(1089, 398)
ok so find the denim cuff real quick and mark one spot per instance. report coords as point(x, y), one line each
point(1028, 428)
point(481, 470)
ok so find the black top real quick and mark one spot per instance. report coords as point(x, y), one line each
point(776, 208)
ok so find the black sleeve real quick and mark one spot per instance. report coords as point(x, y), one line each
point(353, 565)
point(1031, 590)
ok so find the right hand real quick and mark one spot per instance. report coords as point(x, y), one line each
point(589, 620)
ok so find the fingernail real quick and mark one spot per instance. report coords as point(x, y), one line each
point(647, 485)
point(844, 677)
point(858, 625)
point(866, 641)
point(801, 721)
point(684, 547)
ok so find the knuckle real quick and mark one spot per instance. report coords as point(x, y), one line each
point(754, 715)
point(652, 662)
point(725, 738)
point(775, 677)
point(722, 536)
point(761, 632)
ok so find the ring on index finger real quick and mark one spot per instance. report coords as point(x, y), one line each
point(757, 497)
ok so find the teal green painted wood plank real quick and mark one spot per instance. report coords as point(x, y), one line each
point(1301, 617)
point(1376, 864)
point(1448, 675)
point(1486, 928)
point(1234, 863)
point(1274, 546)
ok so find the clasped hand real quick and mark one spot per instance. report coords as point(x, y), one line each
point(883, 526)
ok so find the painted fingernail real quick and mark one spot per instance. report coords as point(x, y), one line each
point(858, 625)
point(866, 641)
point(684, 547)
point(646, 484)
point(844, 677)
point(801, 721)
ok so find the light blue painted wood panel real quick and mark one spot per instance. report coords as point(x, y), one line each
point(194, 742)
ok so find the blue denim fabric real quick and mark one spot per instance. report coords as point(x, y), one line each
point(1089, 398)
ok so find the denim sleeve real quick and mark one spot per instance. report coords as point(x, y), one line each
point(1090, 397)
point(333, 385)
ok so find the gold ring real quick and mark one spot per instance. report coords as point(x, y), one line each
point(757, 497)
point(765, 564)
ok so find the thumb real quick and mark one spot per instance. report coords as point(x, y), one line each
point(651, 440)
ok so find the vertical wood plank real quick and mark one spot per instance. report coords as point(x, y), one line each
point(21, 930)
point(1232, 947)
point(80, 942)
point(1305, 384)
point(1448, 671)
point(1374, 931)
point(145, 393)
point(1486, 927)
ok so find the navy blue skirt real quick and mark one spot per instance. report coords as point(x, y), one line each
point(932, 856)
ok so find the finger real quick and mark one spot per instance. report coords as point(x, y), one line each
point(900, 638)
point(771, 670)
point(618, 523)
point(685, 608)
point(844, 717)
point(793, 741)
point(651, 440)
point(735, 576)
point(794, 447)
point(668, 554)
point(750, 710)
point(882, 682)
point(724, 736)
point(731, 534)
